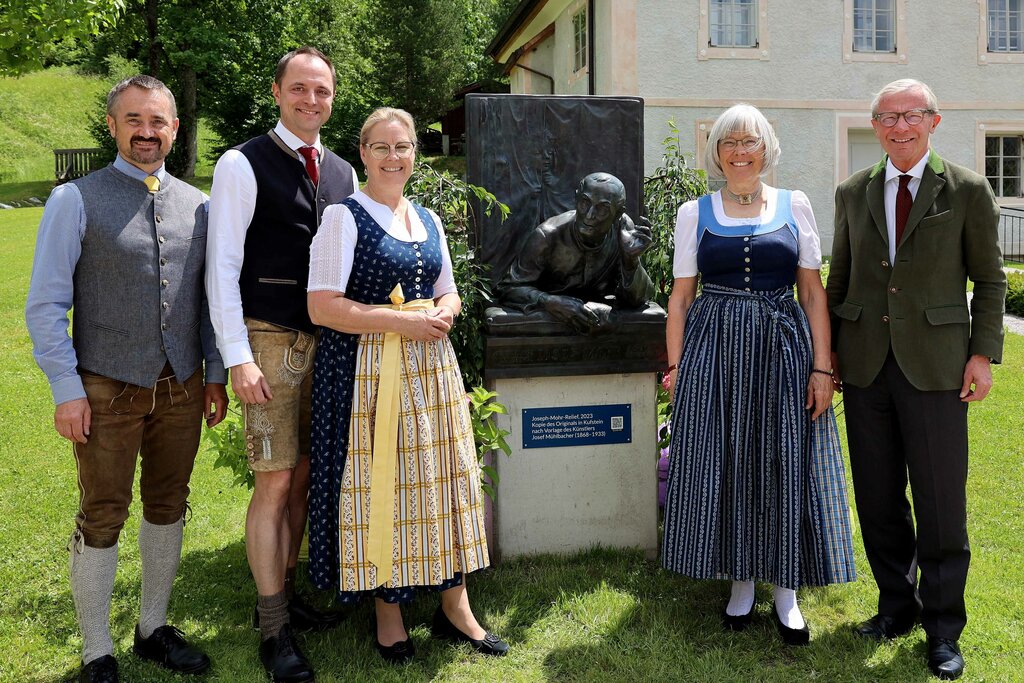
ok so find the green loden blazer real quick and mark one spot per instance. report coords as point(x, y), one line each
point(917, 305)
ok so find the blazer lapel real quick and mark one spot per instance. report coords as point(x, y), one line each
point(876, 202)
point(931, 184)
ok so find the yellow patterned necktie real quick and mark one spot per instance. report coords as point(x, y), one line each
point(152, 182)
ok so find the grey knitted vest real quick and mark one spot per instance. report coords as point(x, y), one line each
point(139, 280)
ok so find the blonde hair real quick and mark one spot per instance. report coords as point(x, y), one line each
point(741, 118)
point(382, 114)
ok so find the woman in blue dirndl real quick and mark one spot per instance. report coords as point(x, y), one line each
point(395, 497)
point(756, 488)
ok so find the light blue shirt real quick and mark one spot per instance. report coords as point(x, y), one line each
point(51, 290)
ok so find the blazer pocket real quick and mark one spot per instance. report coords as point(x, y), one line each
point(276, 281)
point(848, 311)
point(937, 219)
point(948, 315)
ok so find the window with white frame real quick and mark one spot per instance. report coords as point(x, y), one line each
point(874, 25)
point(1005, 30)
point(1004, 158)
point(733, 23)
point(579, 32)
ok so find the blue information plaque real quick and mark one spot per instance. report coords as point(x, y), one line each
point(577, 425)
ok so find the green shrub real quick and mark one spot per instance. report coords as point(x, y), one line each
point(1015, 294)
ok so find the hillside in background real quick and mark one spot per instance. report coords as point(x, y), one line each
point(40, 112)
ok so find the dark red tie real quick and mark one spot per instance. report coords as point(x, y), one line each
point(310, 155)
point(904, 201)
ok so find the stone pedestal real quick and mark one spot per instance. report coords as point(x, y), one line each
point(567, 498)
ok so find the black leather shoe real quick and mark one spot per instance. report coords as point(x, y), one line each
point(490, 644)
point(886, 627)
point(305, 618)
point(791, 636)
point(101, 670)
point(283, 660)
point(167, 647)
point(401, 652)
point(732, 622)
point(944, 658)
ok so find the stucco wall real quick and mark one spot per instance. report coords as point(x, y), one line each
point(804, 83)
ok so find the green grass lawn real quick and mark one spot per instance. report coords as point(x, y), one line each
point(40, 112)
point(52, 109)
point(597, 616)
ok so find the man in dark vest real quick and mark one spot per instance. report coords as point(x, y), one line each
point(265, 206)
point(125, 247)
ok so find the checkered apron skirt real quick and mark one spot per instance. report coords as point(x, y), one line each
point(756, 491)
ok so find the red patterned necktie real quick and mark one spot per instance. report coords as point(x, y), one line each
point(309, 154)
point(904, 201)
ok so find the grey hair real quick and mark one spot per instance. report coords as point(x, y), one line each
point(742, 118)
point(902, 85)
point(140, 81)
point(381, 114)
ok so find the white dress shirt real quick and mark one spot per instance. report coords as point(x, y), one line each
point(334, 245)
point(892, 185)
point(232, 203)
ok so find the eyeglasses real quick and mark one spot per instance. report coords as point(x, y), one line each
point(728, 144)
point(912, 117)
point(381, 150)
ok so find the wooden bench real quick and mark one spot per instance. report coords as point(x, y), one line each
point(69, 164)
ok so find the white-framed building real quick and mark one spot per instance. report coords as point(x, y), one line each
point(812, 66)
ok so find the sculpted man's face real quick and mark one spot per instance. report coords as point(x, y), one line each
point(597, 209)
point(143, 126)
point(305, 96)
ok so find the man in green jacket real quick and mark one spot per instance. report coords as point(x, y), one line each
point(909, 232)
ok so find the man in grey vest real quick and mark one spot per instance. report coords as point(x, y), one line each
point(125, 247)
point(265, 206)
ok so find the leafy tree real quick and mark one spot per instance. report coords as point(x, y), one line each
point(28, 26)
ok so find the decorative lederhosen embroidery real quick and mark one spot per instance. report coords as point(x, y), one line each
point(297, 360)
point(258, 423)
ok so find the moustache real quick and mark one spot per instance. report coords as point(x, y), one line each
point(139, 138)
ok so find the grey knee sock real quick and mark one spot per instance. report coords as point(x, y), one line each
point(273, 611)
point(92, 585)
point(160, 548)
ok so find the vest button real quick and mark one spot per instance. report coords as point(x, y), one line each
point(885, 264)
point(885, 318)
point(163, 262)
point(164, 283)
point(892, 290)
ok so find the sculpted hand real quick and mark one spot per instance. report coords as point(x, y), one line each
point(573, 311)
point(819, 394)
point(217, 396)
point(424, 325)
point(635, 238)
point(977, 372)
point(249, 384)
point(73, 420)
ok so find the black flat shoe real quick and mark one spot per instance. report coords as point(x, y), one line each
point(886, 627)
point(791, 636)
point(732, 622)
point(100, 670)
point(282, 659)
point(167, 647)
point(944, 658)
point(490, 644)
point(401, 652)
